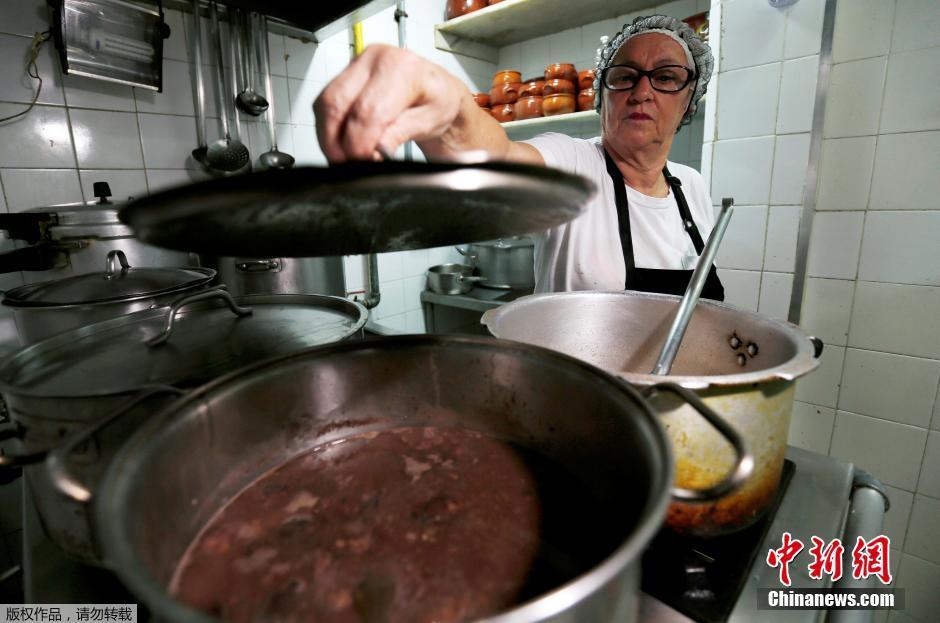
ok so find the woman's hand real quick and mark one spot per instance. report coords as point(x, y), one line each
point(387, 96)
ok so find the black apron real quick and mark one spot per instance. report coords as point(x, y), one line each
point(664, 281)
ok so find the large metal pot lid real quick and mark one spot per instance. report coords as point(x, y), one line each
point(358, 207)
point(118, 282)
point(507, 243)
point(207, 339)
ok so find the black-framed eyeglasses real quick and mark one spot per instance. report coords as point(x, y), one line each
point(668, 78)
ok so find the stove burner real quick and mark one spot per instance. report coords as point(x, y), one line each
point(702, 578)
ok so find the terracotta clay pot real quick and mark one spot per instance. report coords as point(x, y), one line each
point(586, 99)
point(562, 71)
point(456, 8)
point(585, 79)
point(506, 75)
point(531, 88)
point(503, 113)
point(505, 93)
point(558, 86)
point(558, 104)
point(528, 107)
point(482, 99)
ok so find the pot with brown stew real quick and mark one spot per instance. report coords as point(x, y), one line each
point(415, 478)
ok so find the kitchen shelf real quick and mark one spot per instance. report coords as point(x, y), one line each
point(575, 123)
point(480, 34)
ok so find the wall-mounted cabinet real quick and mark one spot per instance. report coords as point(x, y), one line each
point(480, 34)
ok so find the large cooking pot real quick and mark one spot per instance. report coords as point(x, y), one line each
point(57, 388)
point(505, 263)
point(43, 309)
point(741, 364)
point(281, 275)
point(180, 467)
point(75, 239)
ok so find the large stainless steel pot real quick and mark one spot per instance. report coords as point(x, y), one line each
point(55, 389)
point(742, 364)
point(281, 275)
point(41, 310)
point(74, 239)
point(504, 263)
point(182, 465)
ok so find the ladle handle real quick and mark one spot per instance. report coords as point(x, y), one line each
point(218, 292)
point(220, 74)
point(743, 459)
point(265, 63)
point(200, 90)
point(65, 481)
point(681, 322)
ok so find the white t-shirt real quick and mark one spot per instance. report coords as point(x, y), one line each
point(585, 254)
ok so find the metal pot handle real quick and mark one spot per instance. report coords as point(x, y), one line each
point(259, 266)
point(11, 464)
point(817, 346)
point(743, 459)
point(113, 258)
point(471, 279)
point(217, 292)
point(56, 463)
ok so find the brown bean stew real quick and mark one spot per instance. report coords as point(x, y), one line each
point(409, 524)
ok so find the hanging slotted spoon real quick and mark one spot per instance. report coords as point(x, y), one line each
point(226, 154)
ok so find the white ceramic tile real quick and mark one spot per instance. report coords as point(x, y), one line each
point(381, 27)
point(756, 34)
point(679, 151)
point(741, 169)
point(834, 244)
point(354, 271)
point(209, 55)
point(390, 266)
point(742, 287)
point(901, 247)
point(747, 101)
point(827, 309)
point(302, 95)
point(743, 244)
point(414, 322)
point(904, 176)
point(162, 179)
point(923, 534)
point(920, 579)
point(804, 28)
point(811, 427)
point(896, 318)
point(23, 17)
point(510, 56)
point(912, 92)
point(176, 47)
point(282, 102)
point(398, 322)
point(34, 188)
point(935, 423)
point(302, 60)
point(38, 139)
point(775, 289)
point(565, 46)
point(535, 54)
point(821, 386)
point(444, 255)
point(889, 451)
point(929, 483)
point(414, 262)
point(393, 300)
point(891, 387)
point(82, 92)
point(895, 524)
point(106, 139)
point(177, 96)
point(916, 25)
point(3, 205)
point(123, 183)
point(336, 52)
point(591, 35)
point(797, 95)
point(306, 148)
point(853, 104)
point(277, 54)
point(845, 173)
point(862, 29)
point(168, 141)
point(413, 287)
point(791, 155)
point(16, 85)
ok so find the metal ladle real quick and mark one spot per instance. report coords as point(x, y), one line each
point(225, 154)
point(199, 153)
point(681, 322)
point(273, 159)
point(248, 99)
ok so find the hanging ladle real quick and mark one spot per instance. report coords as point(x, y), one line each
point(248, 99)
point(226, 154)
point(273, 159)
point(681, 322)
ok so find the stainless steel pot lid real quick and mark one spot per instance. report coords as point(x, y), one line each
point(206, 340)
point(118, 282)
point(358, 207)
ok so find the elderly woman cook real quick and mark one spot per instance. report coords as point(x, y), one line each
point(644, 229)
